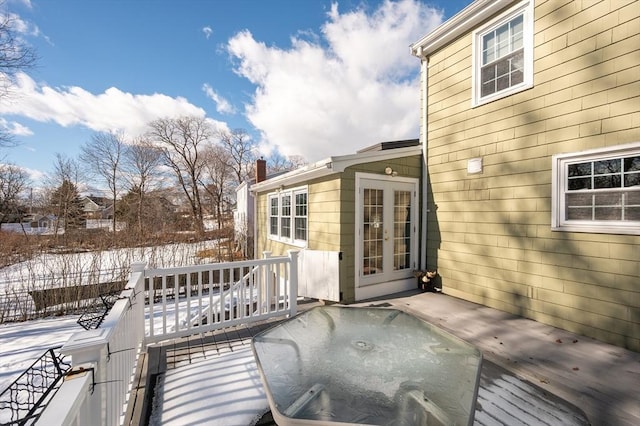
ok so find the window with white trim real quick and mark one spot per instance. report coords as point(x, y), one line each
point(597, 191)
point(503, 55)
point(288, 216)
point(300, 217)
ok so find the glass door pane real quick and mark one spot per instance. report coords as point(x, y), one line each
point(373, 221)
point(401, 230)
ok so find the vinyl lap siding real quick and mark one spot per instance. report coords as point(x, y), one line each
point(490, 235)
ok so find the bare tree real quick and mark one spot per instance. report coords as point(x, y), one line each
point(15, 57)
point(64, 168)
point(141, 165)
point(181, 140)
point(217, 178)
point(102, 156)
point(13, 182)
point(241, 149)
point(280, 163)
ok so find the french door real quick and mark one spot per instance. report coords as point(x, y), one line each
point(386, 224)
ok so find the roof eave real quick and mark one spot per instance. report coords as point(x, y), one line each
point(331, 166)
point(459, 24)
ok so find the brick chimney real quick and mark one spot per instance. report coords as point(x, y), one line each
point(261, 170)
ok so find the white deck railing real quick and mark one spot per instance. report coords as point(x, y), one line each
point(103, 363)
point(196, 299)
point(160, 304)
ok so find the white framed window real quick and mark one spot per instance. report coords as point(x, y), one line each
point(288, 221)
point(300, 216)
point(597, 191)
point(503, 55)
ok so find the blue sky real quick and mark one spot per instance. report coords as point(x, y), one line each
point(314, 78)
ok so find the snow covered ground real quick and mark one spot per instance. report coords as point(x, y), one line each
point(73, 269)
point(22, 343)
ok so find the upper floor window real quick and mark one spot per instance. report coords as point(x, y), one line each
point(597, 191)
point(503, 55)
point(288, 216)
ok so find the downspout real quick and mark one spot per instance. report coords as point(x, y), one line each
point(255, 223)
point(424, 104)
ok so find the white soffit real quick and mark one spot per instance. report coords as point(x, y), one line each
point(460, 23)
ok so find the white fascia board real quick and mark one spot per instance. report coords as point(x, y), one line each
point(459, 24)
point(311, 171)
point(331, 166)
point(339, 164)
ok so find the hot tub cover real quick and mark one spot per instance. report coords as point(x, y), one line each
point(366, 365)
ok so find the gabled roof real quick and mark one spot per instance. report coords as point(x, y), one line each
point(338, 164)
point(459, 24)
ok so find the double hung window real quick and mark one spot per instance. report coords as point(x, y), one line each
point(288, 216)
point(598, 191)
point(503, 55)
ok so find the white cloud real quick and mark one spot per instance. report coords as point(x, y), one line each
point(111, 110)
point(222, 105)
point(34, 175)
point(15, 128)
point(353, 86)
point(21, 26)
point(25, 3)
point(207, 31)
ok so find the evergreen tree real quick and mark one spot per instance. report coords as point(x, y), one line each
point(67, 206)
point(145, 213)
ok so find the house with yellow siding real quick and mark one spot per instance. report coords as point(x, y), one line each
point(530, 126)
point(354, 220)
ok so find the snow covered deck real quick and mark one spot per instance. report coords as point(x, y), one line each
point(213, 379)
point(204, 379)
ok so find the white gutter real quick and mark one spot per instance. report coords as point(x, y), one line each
point(424, 68)
point(255, 223)
point(331, 166)
point(459, 24)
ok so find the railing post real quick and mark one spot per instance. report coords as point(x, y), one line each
point(293, 281)
point(88, 350)
point(138, 266)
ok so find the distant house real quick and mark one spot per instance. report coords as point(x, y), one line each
point(243, 222)
point(243, 214)
point(41, 221)
point(354, 218)
point(97, 207)
point(530, 119)
point(32, 224)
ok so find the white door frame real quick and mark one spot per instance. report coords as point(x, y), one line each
point(404, 280)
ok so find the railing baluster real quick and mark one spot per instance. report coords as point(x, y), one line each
point(198, 276)
point(164, 304)
point(251, 292)
point(176, 301)
point(151, 295)
point(210, 309)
